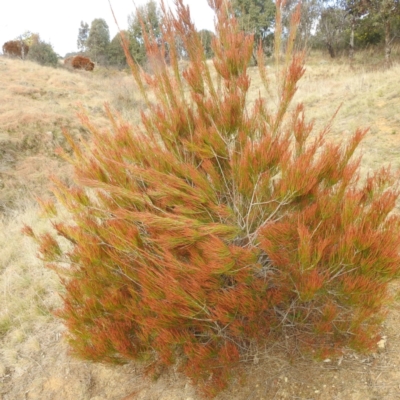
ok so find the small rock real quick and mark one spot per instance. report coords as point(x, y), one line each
point(382, 343)
point(327, 360)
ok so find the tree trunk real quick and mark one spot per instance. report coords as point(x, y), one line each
point(254, 56)
point(331, 50)
point(22, 44)
point(351, 49)
point(388, 44)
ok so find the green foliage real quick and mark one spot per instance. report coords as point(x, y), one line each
point(116, 54)
point(310, 13)
point(256, 17)
point(83, 36)
point(382, 9)
point(28, 38)
point(206, 37)
point(368, 32)
point(98, 41)
point(331, 30)
point(358, 23)
point(216, 224)
point(43, 53)
point(146, 21)
point(385, 12)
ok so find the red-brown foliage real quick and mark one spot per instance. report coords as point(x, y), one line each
point(215, 223)
point(79, 62)
point(15, 48)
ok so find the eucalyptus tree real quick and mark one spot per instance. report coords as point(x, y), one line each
point(384, 12)
point(146, 19)
point(256, 17)
point(98, 40)
point(83, 36)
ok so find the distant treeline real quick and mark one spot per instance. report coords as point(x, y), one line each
point(94, 41)
point(337, 26)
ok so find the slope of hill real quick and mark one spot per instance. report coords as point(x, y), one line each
point(36, 103)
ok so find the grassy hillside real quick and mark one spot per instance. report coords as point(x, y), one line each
point(36, 104)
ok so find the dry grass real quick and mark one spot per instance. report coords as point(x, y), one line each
point(368, 99)
point(365, 97)
point(37, 99)
point(36, 104)
point(29, 292)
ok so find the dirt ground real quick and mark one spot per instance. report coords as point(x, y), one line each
point(50, 374)
point(38, 367)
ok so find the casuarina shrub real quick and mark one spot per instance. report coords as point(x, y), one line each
point(216, 223)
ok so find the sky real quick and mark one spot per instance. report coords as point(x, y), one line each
point(58, 21)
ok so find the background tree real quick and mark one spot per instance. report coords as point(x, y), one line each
point(384, 12)
point(310, 14)
point(29, 39)
point(365, 21)
point(354, 12)
point(42, 52)
point(206, 37)
point(180, 48)
point(98, 41)
point(256, 17)
point(368, 32)
point(83, 37)
point(116, 54)
point(149, 15)
point(331, 28)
